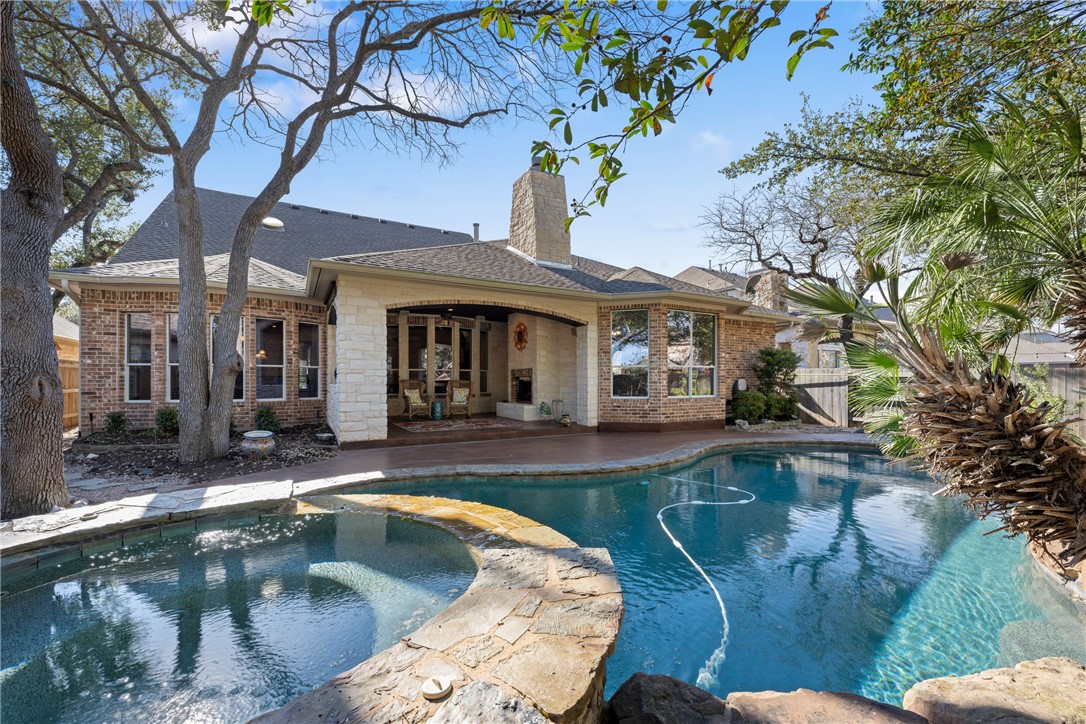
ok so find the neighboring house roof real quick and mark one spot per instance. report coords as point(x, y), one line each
point(1027, 351)
point(715, 279)
point(261, 274)
point(307, 233)
point(494, 261)
point(64, 328)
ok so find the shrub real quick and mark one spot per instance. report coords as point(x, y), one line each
point(776, 370)
point(749, 406)
point(266, 419)
point(166, 422)
point(781, 407)
point(116, 424)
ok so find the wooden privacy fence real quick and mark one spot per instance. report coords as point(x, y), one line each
point(823, 395)
point(1070, 384)
point(69, 382)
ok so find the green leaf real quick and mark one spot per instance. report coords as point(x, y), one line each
point(797, 36)
point(792, 63)
point(567, 133)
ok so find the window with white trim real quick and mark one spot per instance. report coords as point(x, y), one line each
point(270, 343)
point(309, 360)
point(239, 381)
point(691, 354)
point(137, 359)
point(630, 353)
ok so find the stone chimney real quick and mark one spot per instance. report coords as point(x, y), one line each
point(537, 224)
point(768, 290)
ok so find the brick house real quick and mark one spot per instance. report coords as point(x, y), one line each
point(342, 308)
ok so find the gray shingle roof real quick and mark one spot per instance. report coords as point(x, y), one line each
point(494, 261)
point(64, 328)
point(307, 233)
point(1027, 350)
point(261, 274)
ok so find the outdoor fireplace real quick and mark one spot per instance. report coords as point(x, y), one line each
point(520, 386)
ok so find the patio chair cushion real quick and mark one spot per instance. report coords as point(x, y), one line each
point(413, 396)
point(460, 395)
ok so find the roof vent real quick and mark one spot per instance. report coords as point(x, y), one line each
point(324, 211)
point(296, 207)
point(381, 221)
point(355, 216)
point(410, 226)
point(270, 222)
point(443, 231)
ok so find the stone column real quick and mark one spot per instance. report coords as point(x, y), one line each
point(361, 341)
point(586, 411)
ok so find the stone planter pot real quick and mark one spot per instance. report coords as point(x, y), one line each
point(258, 443)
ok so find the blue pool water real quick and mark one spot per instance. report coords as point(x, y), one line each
point(222, 625)
point(842, 574)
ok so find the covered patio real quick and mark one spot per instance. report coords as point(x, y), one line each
point(520, 365)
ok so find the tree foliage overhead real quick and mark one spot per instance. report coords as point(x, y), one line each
point(937, 63)
point(655, 61)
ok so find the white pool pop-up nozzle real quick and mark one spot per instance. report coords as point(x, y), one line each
point(436, 688)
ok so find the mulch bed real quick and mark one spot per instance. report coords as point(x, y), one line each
point(131, 462)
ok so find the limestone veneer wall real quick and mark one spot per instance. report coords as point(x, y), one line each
point(361, 341)
point(102, 356)
point(738, 342)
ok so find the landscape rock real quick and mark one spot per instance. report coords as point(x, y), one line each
point(657, 699)
point(805, 706)
point(1050, 690)
point(481, 701)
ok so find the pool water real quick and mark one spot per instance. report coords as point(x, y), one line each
point(842, 574)
point(222, 625)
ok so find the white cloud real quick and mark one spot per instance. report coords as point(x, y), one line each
point(719, 146)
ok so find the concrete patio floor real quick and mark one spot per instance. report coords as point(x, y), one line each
point(560, 450)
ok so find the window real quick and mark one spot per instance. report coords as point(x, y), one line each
point(392, 360)
point(138, 357)
point(239, 381)
point(484, 362)
point(416, 353)
point(465, 354)
point(309, 360)
point(630, 353)
point(691, 354)
point(269, 359)
point(443, 360)
point(173, 367)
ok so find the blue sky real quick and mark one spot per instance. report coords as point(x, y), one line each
point(651, 219)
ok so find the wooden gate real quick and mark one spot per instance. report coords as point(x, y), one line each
point(823, 396)
point(69, 382)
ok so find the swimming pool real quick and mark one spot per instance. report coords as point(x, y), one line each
point(219, 625)
point(841, 574)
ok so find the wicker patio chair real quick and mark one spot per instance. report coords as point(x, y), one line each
point(459, 397)
point(414, 398)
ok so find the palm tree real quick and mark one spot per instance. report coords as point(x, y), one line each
point(956, 411)
point(1016, 199)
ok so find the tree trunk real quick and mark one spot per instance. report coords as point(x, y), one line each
point(194, 439)
point(32, 405)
